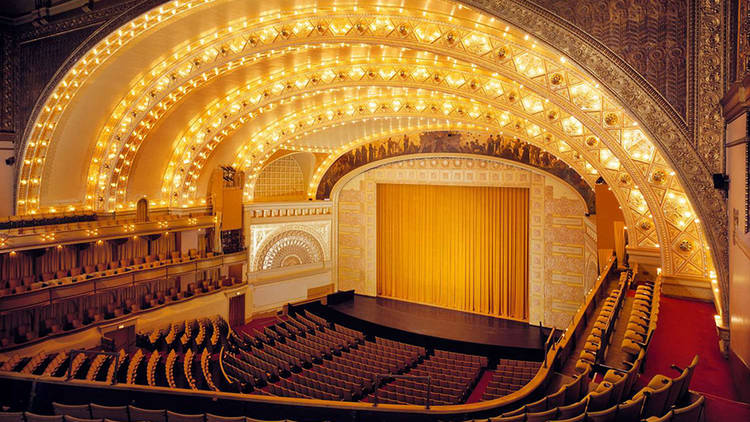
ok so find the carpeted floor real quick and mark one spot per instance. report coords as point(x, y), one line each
point(686, 328)
point(476, 394)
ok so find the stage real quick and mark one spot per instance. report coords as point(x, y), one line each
point(434, 325)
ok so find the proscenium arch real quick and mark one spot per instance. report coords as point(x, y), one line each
point(665, 132)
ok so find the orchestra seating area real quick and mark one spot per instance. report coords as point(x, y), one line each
point(452, 375)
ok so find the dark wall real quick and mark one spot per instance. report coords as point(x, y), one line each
point(650, 35)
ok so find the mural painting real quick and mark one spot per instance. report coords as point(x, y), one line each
point(453, 142)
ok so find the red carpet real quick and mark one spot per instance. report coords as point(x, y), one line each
point(257, 324)
point(687, 328)
point(476, 394)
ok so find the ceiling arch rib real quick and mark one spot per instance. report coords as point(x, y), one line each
point(30, 180)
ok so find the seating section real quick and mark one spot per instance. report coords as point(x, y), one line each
point(510, 375)
point(599, 338)
point(642, 318)
point(112, 304)
point(103, 269)
point(35, 220)
point(183, 355)
point(303, 355)
point(452, 376)
point(308, 357)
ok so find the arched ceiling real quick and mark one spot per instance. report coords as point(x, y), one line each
point(159, 103)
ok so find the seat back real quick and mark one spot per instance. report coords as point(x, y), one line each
point(147, 415)
point(214, 418)
point(690, 413)
point(11, 417)
point(571, 410)
point(118, 413)
point(541, 416)
point(33, 417)
point(68, 418)
point(557, 398)
point(75, 410)
point(686, 385)
point(676, 389)
point(179, 417)
point(599, 400)
point(537, 406)
point(579, 418)
point(630, 410)
point(607, 415)
point(656, 400)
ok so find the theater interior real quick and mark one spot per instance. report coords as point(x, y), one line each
point(374, 210)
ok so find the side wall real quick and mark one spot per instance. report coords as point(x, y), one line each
point(739, 254)
point(562, 240)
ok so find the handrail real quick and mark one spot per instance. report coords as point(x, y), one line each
point(380, 377)
point(547, 345)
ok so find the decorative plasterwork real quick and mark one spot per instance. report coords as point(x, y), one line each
point(660, 123)
point(288, 248)
point(263, 237)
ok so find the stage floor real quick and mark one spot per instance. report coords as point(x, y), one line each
point(443, 323)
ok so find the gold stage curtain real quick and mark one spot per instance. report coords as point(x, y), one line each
point(459, 247)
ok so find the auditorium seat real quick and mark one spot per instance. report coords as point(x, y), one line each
point(606, 415)
point(75, 410)
point(146, 415)
point(656, 397)
point(68, 418)
point(579, 418)
point(516, 418)
point(117, 413)
point(33, 417)
point(180, 417)
point(574, 409)
point(541, 416)
point(693, 412)
point(215, 418)
point(11, 416)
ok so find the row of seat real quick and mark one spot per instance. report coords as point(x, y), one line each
point(511, 375)
point(68, 221)
point(103, 269)
point(23, 333)
point(99, 413)
point(643, 316)
point(452, 376)
point(599, 337)
point(33, 220)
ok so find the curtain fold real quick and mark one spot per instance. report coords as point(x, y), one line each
point(460, 247)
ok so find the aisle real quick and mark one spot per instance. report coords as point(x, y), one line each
point(687, 328)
